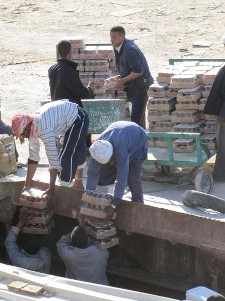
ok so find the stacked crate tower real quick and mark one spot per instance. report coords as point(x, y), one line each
point(176, 102)
point(101, 233)
point(37, 206)
point(96, 64)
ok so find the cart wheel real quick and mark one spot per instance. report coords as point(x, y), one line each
point(204, 182)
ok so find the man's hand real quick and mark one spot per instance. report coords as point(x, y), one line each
point(49, 196)
point(120, 84)
point(109, 213)
point(24, 217)
point(25, 188)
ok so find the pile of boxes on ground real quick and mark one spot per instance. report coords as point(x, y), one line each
point(96, 64)
point(101, 233)
point(176, 102)
point(41, 211)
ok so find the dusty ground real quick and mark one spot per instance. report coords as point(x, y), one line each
point(30, 30)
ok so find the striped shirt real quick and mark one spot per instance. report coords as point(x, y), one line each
point(51, 121)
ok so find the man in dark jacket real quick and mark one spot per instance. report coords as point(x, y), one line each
point(64, 77)
point(215, 105)
point(65, 83)
point(134, 72)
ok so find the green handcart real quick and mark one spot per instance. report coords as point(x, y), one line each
point(165, 157)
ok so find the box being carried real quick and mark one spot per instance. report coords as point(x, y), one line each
point(33, 198)
point(38, 207)
point(94, 204)
point(101, 233)
point(38, 228)
point(100, 229)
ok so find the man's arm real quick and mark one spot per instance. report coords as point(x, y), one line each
point(121, 82)
point(16, 256)
point(93, 175)
point(63, 246)
point(31, 169)
point(49, 193)
point(73, 83)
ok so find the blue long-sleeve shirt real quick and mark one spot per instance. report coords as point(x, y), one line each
point(131, 59)
point(129, 142)
point(83, 264)
point(40, 262)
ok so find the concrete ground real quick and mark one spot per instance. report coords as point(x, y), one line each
point(158, 194)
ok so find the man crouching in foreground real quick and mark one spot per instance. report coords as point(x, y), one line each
point(117, 157)
point(51, 120)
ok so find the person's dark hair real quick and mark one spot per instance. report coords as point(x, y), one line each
point(79, 237)
point(64, 48)
point(29, 242)
point(118, 29)
point(216, 297)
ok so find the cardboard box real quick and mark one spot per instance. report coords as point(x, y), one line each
point(33, 198)
point(184, 145)
point(165, 104)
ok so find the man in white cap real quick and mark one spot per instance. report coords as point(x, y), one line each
point(117, 157)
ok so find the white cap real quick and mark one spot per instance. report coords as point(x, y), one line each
point(101, 151)
point(223, 39)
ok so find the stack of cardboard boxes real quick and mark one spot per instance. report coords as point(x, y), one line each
point(101, 233)
point(37, 206)
point(182, 91)
point(96, 64)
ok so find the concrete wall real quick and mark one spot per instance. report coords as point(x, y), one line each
point(167, 248)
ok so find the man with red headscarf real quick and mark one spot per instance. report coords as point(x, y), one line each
point(57, 118)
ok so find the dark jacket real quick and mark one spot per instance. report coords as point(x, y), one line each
point(131, 59)
point(65, 82)
point(215, 104)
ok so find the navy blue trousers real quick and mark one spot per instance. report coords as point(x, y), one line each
point(137, 95)
point(73, 152)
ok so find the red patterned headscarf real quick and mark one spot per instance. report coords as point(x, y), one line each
point(20, 122)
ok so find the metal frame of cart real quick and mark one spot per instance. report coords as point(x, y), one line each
point(166, 157)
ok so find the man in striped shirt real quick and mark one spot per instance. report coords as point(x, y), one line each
point(56, 118)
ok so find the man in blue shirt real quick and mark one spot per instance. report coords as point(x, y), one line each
point(25, 250)
point(117, 157)
point(134, 72)
point(83, 260)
